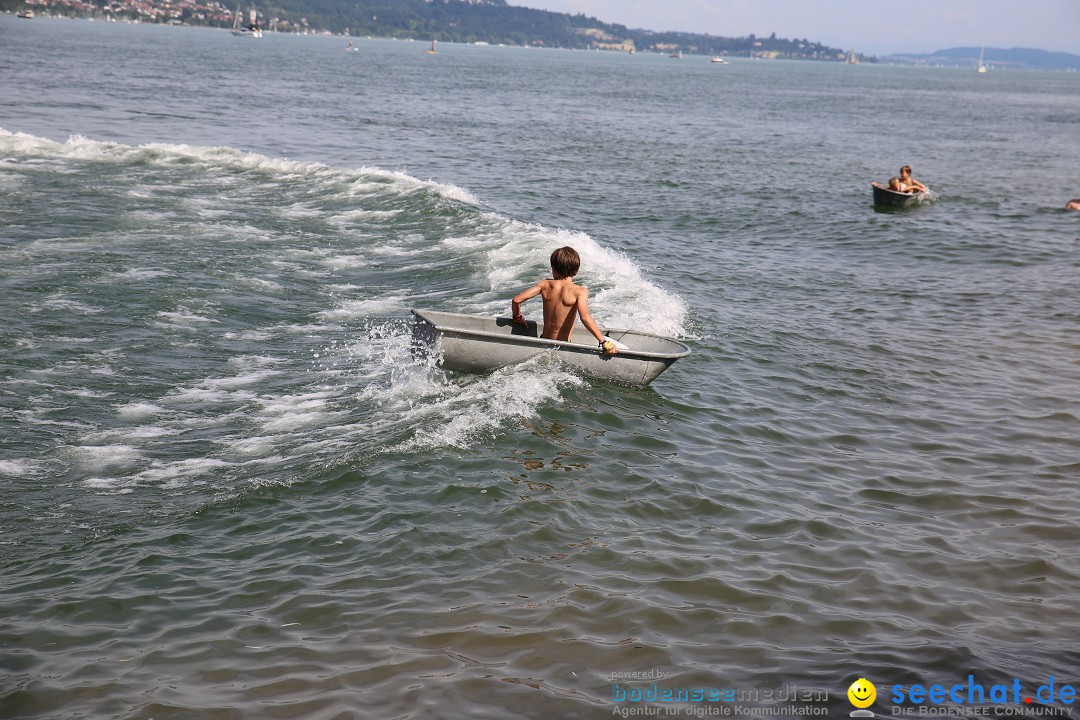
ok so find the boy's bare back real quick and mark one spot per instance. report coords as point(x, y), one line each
point(561, 300)
point(564, 302)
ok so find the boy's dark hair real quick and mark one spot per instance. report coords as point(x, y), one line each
point(906, 167)
point(565, 262)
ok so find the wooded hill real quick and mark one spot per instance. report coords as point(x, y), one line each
point(494, 21)
point(463, 21)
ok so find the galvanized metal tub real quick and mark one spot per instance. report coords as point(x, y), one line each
point(478, 344)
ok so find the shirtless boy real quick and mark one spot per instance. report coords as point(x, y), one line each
point(909, 182)
point(563, 301)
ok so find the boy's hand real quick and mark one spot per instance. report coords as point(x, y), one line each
point(520, 320)
point(608, 347)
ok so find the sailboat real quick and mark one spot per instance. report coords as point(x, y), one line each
point(851, 59)
point(433, 51)
point(250, 30)
point(982, 66)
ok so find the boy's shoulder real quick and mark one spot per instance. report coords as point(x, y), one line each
point(579, 291)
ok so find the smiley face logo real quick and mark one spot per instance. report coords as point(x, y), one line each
point(862, 693)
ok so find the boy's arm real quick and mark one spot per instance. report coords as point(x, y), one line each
point(515, 304)
point(590, 324)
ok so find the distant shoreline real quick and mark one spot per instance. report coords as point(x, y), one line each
point(491, 21)
point(997, 59)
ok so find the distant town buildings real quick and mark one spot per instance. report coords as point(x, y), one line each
point(207, 12)
point(174, 12)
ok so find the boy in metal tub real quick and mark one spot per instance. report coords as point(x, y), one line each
point(564, 301)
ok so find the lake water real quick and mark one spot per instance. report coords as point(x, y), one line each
point(227, 490)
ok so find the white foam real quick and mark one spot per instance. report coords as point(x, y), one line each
point(112, 486)
point(19, 468)
point(182, 319)
point(305, 254)
point(375, 307)
point(87, 393)
point(289, 422)
point(345, 262)
point(249, 361)
point(348, 219)
point(257, 445)
point(411, 398)
point(466, 413)
point(144, 432)
point(140, 274)
point(619, 295)
point(60, 302)
point(237, 380)
point(290, 412)
point(406, 183)
point(99, 457)
point(301, 211)
point(246, 235)
point(257, 283)
point(179, 474)
point(35, 417)
point(396, 252)
point(139, 410)
point(352, 182)
point(250, 335)
point(466, 243)
point(309, 329)
point(206, 208)
point(206, 396)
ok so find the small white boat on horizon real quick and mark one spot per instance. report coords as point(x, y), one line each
point(719, 60)
point(250, 30)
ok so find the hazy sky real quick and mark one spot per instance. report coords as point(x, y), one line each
point(870, 26)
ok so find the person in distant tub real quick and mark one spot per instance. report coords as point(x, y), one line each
point(564, 301)
point(896, 186)
point(910, 183)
